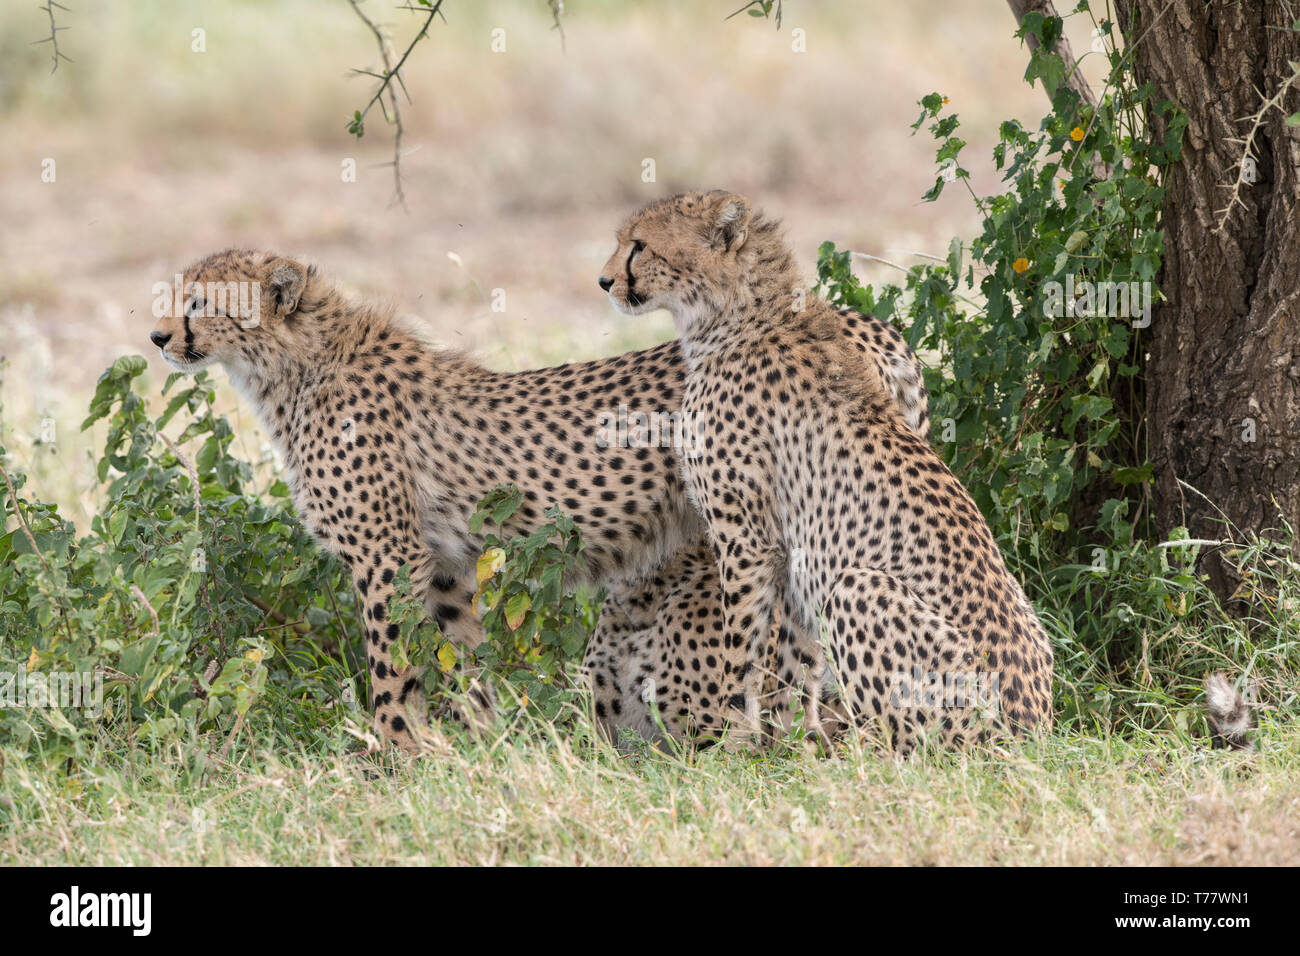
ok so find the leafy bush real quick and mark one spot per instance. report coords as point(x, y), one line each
point(536, 622)
point(192, 597)
point(202, 605)
point(1025, 401)
point(1038, 406)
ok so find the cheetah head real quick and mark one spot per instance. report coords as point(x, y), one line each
point(235, 307)
point(681, 254)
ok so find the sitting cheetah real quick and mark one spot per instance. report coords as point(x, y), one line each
point(661, 641)
point(389, 444)
point(804, 453)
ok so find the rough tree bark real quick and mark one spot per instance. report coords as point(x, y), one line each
point(1224, 355)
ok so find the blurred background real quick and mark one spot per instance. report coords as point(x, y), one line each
point(518, 165)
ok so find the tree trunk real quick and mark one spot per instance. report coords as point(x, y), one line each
point(1073, 78)
point(1223, 374)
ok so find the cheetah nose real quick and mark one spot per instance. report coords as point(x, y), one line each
point(605, 283)
point(159, 338)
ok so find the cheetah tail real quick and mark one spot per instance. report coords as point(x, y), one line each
point(1231, 718)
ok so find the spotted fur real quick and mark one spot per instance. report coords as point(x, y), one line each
point(389, 444)
point(803, 453)
point(659, 662)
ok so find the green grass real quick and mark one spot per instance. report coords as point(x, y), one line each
point(564, 798)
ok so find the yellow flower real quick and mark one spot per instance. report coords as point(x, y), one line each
point(1020, 265)
point(253, 654)
point(945, 101)
point(1076, 134)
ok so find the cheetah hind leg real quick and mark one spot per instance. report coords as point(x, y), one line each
point(907, 675)
point(451, 604)
point(610, 671)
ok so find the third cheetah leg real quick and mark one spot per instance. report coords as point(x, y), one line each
point(450, 603)
point(798, 670)
point(606, 665)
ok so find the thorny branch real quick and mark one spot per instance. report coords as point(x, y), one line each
point(557, 8)
point(53, 38)
point(391, 74)
point(1248, 156)
point(759, 8)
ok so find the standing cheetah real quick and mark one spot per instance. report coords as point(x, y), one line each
point(803, 452)
point(389, 445)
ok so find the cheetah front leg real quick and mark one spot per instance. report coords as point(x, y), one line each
point(748, 565)
point(396, 697)
point(733, 499)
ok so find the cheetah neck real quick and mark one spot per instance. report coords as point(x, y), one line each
point(762, 301)
point(320, 353)
point(769, 311)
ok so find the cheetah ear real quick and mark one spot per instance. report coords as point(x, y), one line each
point(285, 279)
point(731, 216)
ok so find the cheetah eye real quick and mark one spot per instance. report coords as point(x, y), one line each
point(195, 308)
point(637, 246)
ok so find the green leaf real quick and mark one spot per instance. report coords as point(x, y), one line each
point(136, 656)
point(516, 608)
point(1049, 67)
point(1098, 373)
point(117, 524)
point(1134, 476)
point(319, 618)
